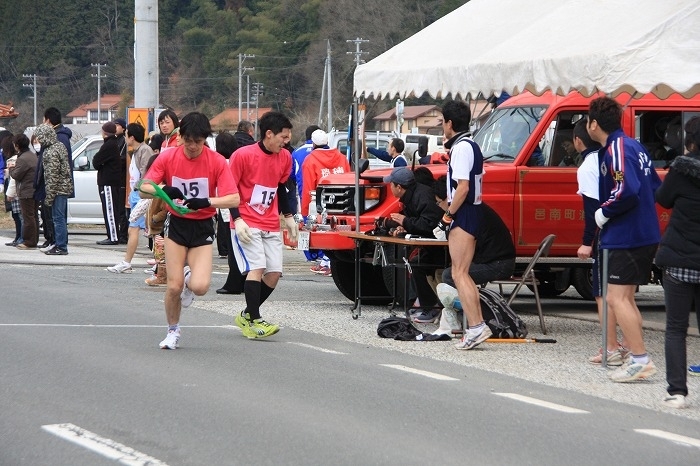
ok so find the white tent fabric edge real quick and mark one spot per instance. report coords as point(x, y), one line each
point(642, 46)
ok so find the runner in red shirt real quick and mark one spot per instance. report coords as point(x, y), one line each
point(200, 178)
point(168, 124)
point(259, 170)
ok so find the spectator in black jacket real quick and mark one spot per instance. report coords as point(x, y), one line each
point(419, 216)
point(244, 133)
point(679, 255)
point(109, 181)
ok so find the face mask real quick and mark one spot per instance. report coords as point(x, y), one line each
point(37, 147)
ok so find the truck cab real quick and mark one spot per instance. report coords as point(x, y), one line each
point(530, 180)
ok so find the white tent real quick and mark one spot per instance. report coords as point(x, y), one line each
point(490, 46)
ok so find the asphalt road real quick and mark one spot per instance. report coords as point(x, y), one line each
point(79, 360)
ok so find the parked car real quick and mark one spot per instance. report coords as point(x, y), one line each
point(85, 207)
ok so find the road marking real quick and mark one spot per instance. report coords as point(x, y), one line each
point(102, 446)
point(682, 439)
point(113, 325)
point(317, 348)
point(542, 403)
point(432, 375)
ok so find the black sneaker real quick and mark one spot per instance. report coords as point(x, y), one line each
point(107, 242)
point(45, 244)
point(55, 251)
point(427, 316)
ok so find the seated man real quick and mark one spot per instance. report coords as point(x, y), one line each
point(494, 259)
point(419, 216)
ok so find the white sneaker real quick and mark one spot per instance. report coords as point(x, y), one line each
point(47, 248)
point(470, 341)
point(675, 401)
point(631, 371)
point(152, 270)
point(171, 340)
point(122, 267)
point(187, 296)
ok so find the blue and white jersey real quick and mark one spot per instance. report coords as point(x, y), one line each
point(466, 163)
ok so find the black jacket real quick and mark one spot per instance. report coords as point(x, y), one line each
point(243, 138)
point(493, 241)
point(108, 163)
point(421, 211)
point(680, 191)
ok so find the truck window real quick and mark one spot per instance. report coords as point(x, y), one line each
point(563, 153)
point(504, 134)
point(661, 133)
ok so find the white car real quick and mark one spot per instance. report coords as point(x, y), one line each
point(86, 206)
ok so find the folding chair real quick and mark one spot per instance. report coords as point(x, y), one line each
point(528, 278)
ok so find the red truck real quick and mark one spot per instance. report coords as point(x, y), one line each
point(530, 181)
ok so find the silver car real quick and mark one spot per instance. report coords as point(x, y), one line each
point(85, 207)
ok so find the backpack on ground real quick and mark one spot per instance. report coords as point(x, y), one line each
point(398, 328)
point(501, 319)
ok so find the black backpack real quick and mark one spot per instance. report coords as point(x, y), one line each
point(501, 319)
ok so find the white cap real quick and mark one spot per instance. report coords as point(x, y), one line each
point(319, 138)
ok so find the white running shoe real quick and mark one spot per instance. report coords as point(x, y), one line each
point(47, 248)
point(171, 340)
point(187, 296)
point(470, 341)
point(122, 267)
point(675, 401)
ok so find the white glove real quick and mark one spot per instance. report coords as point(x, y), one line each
point(440, 234)
point(292, 228)
point(600, 219)
point(242, 230)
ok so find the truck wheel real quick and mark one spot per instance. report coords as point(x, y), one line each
point(547, 289)
point(583, 282)
point(372, 281)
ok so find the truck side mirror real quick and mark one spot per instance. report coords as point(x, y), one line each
point(363, 164)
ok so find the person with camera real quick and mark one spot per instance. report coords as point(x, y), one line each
point(419, 216)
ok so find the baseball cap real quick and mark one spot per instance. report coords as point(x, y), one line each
point(400, 175)
point(319, 138)
point(121, 122)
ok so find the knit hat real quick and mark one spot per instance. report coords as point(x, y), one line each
point(121, 122)
point(319, 138)
point(109, 128)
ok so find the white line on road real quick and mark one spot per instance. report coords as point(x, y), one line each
point(317, 348)
point(102, 446)
point(113, 325)
point(542, 403)
point(682, 439)
point(432, 375)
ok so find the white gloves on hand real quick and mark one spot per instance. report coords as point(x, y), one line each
point(440, 234)
point(242, 230)
point(600, 219)
point(292, 227)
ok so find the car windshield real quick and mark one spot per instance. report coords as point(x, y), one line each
point(503, 135)
point(74, 147)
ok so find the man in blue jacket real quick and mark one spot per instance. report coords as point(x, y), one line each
point(629, 227)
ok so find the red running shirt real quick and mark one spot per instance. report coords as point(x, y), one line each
point(205, 176)
point(257, 173)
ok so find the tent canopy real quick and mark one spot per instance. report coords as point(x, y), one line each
point(491, 46)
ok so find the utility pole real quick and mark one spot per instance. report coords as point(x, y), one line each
point(329, 94)
point(326, 89)
point(358, 53)
point(247, 97)
point(241, 70)
point(258, 88)
point(99, 77)
point(33, 86)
